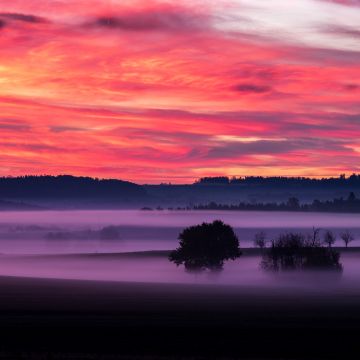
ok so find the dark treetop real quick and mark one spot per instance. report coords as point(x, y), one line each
point(206, 246)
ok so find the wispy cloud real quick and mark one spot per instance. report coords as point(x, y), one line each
point(174, 90)
point(22, 17)
point(62, 129)
point(252, 88)
point(167, 19)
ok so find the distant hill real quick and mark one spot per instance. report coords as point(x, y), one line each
point(70, 192)
point(253, 189)
point(84, 191)
point(17, 206)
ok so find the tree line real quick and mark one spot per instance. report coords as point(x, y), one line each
point(328, 238)
point(351, 204)
point(275, 181)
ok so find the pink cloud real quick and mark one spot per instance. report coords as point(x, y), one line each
point(159, 91)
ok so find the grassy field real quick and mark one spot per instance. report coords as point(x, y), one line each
point(128, 320)
point(84, 319)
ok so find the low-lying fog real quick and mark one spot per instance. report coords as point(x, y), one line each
point(245, 271)
point(73, 245)
point(64, 232)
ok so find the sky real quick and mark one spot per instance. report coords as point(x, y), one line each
point(169, 91)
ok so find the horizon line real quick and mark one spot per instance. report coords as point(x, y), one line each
point(193, 181)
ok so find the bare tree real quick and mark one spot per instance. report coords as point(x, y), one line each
point(314, 237)
point(347, 237)
point(260, 240)
point(329, 238)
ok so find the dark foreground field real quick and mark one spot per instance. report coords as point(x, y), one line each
point(62, 319)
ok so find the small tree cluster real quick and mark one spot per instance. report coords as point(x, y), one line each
point(329, 238)
point(347, 237)
point(292, 251)
point(314, 238)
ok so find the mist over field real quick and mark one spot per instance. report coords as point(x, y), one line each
point(74, 245)
point(56, 232)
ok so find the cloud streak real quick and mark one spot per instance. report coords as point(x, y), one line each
point(22, 17)
point(252, 88)
point(158, 20)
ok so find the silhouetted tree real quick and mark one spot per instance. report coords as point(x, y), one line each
point(314, 237)
point(293, 203)
point(219, 180)
point(351, 197)
point(347, 237)
point(329, 238)
point(206, 246)
point(260, 240)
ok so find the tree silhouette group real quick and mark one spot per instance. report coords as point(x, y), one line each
point(295, 251)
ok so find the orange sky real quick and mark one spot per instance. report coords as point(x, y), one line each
point(153, 91)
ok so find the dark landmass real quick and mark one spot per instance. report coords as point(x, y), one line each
point(63, 319)
point(18, 206)
point(78, 319)
point(69, 192)
point(252, 190)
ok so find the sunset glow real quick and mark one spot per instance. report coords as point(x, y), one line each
point(152, 91)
